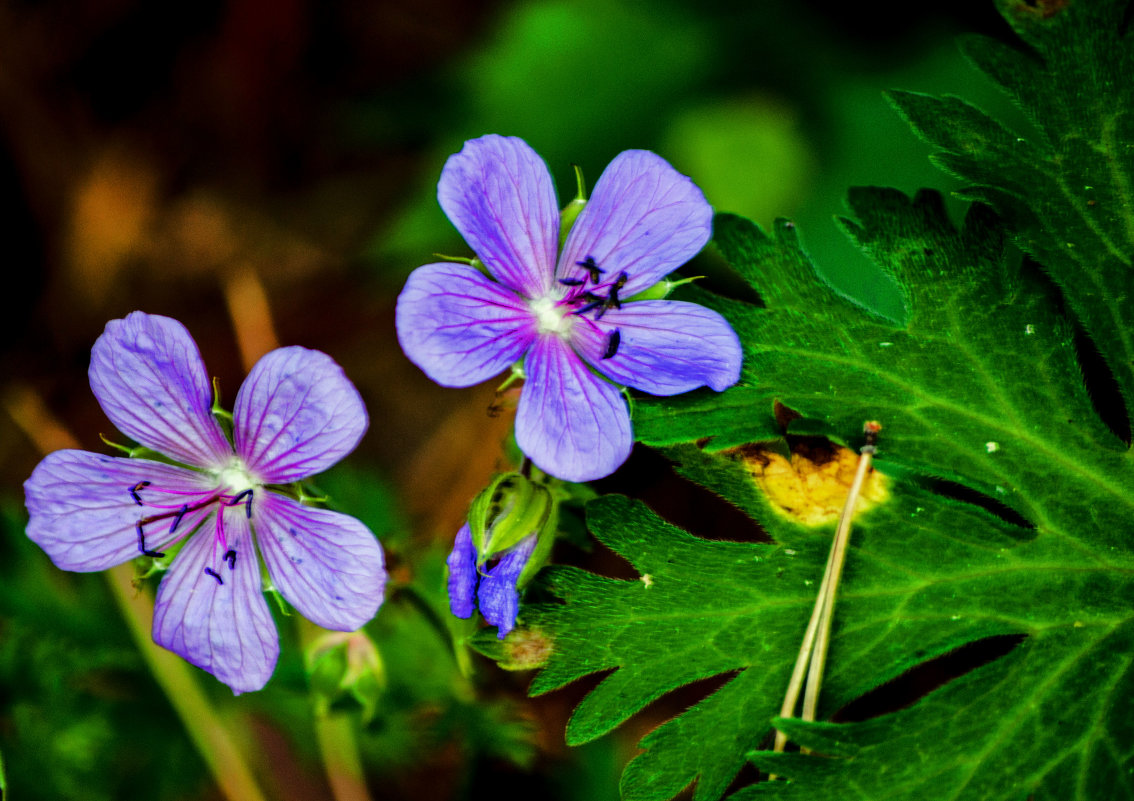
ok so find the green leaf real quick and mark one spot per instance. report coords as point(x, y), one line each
point(978, 385)
point(1066, 190)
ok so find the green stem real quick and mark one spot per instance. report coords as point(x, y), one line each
point(213, 740)
point(337, 744)
point(335, 734)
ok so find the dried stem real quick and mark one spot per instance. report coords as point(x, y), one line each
point(816, 640)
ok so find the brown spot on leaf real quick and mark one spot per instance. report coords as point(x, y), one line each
point(525, 649)
point(810, 484)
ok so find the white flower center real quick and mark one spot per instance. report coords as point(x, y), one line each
point(236, 478)
point(553, 317)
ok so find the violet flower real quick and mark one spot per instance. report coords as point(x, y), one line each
point(295, 415)
point(493, 591)
point(569, 320)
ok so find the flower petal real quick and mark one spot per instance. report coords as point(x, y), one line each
point(499, 195)
point(644, 218)
point(296, 414)
point(499, 599)
point(326, 564)
point(572, 423)
point(664, 347)
point(460, 327)
point(462, 574)
point(83, 515)
point(226, 628)
point(148, 377)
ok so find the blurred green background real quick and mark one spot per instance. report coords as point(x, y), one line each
point(153, 154)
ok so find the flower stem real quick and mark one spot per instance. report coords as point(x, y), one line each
point(813, 651)
point(335, 734)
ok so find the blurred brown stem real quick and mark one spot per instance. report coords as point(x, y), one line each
point(256, 335)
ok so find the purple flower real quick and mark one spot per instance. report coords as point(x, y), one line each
point(494, 591)
point(569, 320)
point(295, 415)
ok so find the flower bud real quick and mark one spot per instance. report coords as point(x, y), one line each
point(507, 510)
point(341, 664)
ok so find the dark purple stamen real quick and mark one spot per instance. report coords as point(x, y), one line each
point(210, 572)
point(572, 281)
point(134, 491)
point(177, 518)
point(592, 268)
point(247, 504)
point(142, 541)
point(612, 301)
point(612, 344)
point(230, 557)
point(594, 302)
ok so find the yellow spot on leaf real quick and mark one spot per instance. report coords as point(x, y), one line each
point(811, 487)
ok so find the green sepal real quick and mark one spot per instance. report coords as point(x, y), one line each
point(146, 566)
point(472, 261)
point(571, 211)
point(271, 591)
point(138, 451)
point(510, 508)
point(223, 416)
point(541, 555)
point(324, 676)
point(662, 288)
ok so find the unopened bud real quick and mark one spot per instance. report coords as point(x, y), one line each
point(345, 664)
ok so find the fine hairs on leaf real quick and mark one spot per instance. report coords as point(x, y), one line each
point(1005, 516)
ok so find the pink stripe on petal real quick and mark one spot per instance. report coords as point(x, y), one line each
point(226, 628)
point(82, 514)
point(296, 414)
point(326, 564)
point(459, 327)
point(644, 218)
point(150, 380)
point(572, 423)
point(499, 194)
point(665, 347)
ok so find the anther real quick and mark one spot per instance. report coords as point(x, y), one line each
point(210, 572)
point(612, 301)
point(230, 557)
point(134, 491)
point(612, 344)
point(572, 281)
point(592, 268)
point(247, 503)
point(177, 518)
point(142, 542)
point(594, 302)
